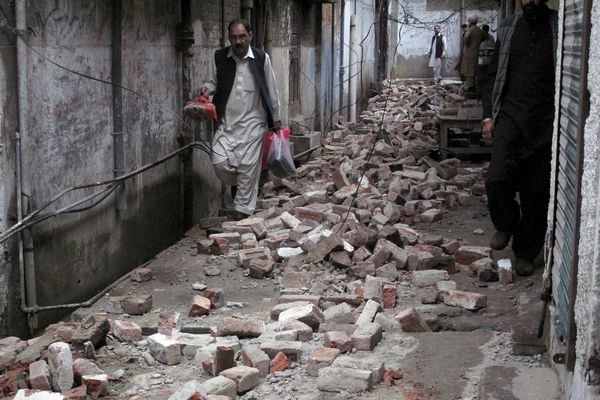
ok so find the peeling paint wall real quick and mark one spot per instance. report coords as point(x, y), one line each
point(69, 141)
point(9, 298)
point(415, 29)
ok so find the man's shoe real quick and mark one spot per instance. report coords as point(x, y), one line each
point(238, 216)
point(524, 267)
point(500, 240)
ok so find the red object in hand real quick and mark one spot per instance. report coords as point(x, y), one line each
point(202, 107)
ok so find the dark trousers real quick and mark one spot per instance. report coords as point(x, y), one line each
point(514, 170)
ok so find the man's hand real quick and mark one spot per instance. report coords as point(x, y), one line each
point(276, 125)
point(204, 91)
point(487, 129)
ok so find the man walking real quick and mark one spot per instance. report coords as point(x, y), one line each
point(247, 103)
point(437, 50)
point(518, 110)
point(472, 39)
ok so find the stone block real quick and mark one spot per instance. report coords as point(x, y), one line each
point(241, 327)
point(337, 340)
point(505, 271)
point(280, 363)
point(428, 277)
point(39, 375)
point(366, 336)
point(432, 215)
point(200, 306)
point(468, 254)
point(460, 298)
point(97, 385)
point(216, 297)
point(368, 313)
point(320, 358)
point(292, 349)
point(373, 288)
point(192, 390)
point(77, 393)
point(190, 343)
point(450, 247)
point(310, 314)
point(220, 385)
point(260, 268)
point(340, 313)
point(253, 356)
point(142, 274)
point(164, 349)
point(389, 295)
point(334, 379)
point(484, 269)
point(30, 394)
point(278, 309)
point(60, 364)
point(352, 299)
point(169, 322)
point(137, 304)
point(126, 331)
point(93, 328)
point(373, 364)
point(388, 271)
point(411, 321)
point(303, 332)
point(245, 378)
point(244, 256)
point(82, 366)
point(444, 286)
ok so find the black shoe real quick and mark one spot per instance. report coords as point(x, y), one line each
point(238, 216)
point(500, 240)
point(524, 267)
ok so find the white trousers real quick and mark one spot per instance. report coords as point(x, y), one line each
point(246, 178)
point(437, 70)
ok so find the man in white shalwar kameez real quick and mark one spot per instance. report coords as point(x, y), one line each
point(247, 103)
point(437, 51)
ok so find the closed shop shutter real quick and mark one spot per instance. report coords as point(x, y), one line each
point(568, 173)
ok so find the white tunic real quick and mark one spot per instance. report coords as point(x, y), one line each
point(239, 136)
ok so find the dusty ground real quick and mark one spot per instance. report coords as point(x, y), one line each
point(443, 365)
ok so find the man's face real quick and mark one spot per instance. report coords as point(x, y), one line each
point(240, 40)
point(436, 29)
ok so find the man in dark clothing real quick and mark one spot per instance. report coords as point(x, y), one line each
point(518, 109)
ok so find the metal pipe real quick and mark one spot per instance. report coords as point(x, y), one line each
point(23, 224)
point(26, 255)
point(342, 48)
point(247, 6)
point(117, 100)
point(222, 39)
point(353, 66)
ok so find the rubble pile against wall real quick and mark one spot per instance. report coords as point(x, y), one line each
point(339, 241)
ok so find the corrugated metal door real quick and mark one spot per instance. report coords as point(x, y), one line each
point(572, 112)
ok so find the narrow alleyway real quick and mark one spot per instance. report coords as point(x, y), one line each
point(398, 297)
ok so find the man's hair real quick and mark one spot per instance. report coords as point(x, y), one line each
point(463, 26)
point(474, 19)
point(485, 27)
point(437, 26)
point(240, 21)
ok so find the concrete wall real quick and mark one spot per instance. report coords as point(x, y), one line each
point(68, 141)
point(417, 19)
point(9, 284)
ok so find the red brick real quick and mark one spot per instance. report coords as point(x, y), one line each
point(169, 322)
point(389, 296)
point(77, 393)
point(280, 362)
point(259, 268)
point(245, 256)
point(411, 321)
point(200, 306)
point(142, 275)
point(337, 340)
point(216, 297)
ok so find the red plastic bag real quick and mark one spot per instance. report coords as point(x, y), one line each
point(279, 158)
point(201, 108)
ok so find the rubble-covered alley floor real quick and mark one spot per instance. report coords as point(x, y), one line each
point(400, 298)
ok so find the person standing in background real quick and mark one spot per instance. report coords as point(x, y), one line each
point(437, 51)
point(473, 38)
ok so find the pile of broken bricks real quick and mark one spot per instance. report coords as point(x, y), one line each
point(338, 239)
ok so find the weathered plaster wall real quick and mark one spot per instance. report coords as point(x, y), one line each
point(68, 141)
point(9, 299)
point(586, 377)
point(418, 18)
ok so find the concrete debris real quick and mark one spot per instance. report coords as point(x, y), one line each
point(341, 243)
